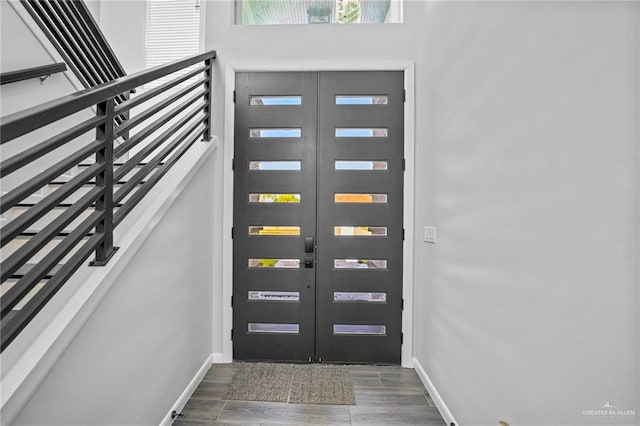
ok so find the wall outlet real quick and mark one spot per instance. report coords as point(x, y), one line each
point(430, 234)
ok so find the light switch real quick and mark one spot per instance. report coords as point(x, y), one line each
point(430, 234)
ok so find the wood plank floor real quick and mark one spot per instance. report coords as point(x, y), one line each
point(385, 395)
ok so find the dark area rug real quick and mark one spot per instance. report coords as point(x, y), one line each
point(292, 383)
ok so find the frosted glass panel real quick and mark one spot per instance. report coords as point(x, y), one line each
point(274, 198)
point(274, 230)
point(346, 296)
point(274, 263)
point(380, 330)
point(278, 296)
point(275, 165)
point(275, 133)
point(260, 327)
point(361, 165)
point(361, 100)
point(359, 264)
point(275, 100)
point(360, 231)
point(361, 132)
point(360, 198)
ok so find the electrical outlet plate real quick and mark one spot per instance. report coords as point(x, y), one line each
point(430, 234)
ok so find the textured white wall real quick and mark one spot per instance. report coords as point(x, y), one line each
point(150, 334)
point(299, 44)
point(528, 122)
point(124, 24)
point(527, 162)
point(20, 48)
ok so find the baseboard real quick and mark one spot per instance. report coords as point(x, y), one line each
point(220, 358)
point(435, 396)
point(186, 394)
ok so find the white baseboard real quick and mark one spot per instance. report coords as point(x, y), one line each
point(220, 358)
point(191, 387)
point(435, 396)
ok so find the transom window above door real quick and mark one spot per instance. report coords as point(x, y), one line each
point(278, 12)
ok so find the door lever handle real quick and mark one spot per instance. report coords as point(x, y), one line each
point(308, 244)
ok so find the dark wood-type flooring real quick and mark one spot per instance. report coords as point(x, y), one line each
point(385, 395)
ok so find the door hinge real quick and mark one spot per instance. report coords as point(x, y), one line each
point(233, 164)
point(401, 303)
point(401, 338)
point(232, 232)
point(404, 95)
point(232, 334)
point(232, 301)
point(402, 234)
point(404, 164)
point(234, 96)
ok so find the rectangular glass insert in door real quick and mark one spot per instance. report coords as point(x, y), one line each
point(274, 210)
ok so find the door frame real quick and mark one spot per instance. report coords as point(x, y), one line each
point(409, 185)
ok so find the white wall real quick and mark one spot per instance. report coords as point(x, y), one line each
point(302, 45)
point(528, 122)
point(527, 162)
point(21, 48)
point(150, 334)
point(124, 24)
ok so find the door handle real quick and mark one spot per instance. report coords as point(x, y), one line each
point(308, 244)
point(308, 261)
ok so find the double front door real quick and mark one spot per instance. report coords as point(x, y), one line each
point(317, 236)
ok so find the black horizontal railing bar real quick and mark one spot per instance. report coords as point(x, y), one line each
point(88, 183)
point(144, 152)
point(152, 164)
point(55, 27)
point(115, 164)
point(60, 206)
point(22, 317)
point(98, 36)
point(84, 35)
point(27, 156)
point(27, 267)
point(23, 122)
point(161, 121)
point(32, 8)
point(71, 37)
point(125, 106)
point(40, 180)
point(162, 170)
point(48, 233)
point(35, 274)
point(22, 222)
point(75, 34)
point(141, 117)
point(61, 234)
point(35, 72)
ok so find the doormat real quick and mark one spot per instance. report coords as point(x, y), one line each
point(292, 383)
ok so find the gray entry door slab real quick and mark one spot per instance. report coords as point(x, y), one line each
point(318, 216)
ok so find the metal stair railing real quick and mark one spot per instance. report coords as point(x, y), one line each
point(167, 121)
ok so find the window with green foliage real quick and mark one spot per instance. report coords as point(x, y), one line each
point(277, 12)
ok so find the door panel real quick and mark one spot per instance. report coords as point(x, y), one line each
point(251, 344)
point(345, 304)
point(360, 346)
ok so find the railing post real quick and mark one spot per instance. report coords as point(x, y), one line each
point(104, 180)
point(208, 73)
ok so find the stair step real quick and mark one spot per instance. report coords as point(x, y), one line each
point(46, 219)
point(15, 244)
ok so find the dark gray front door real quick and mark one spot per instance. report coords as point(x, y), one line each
point(318, 169)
